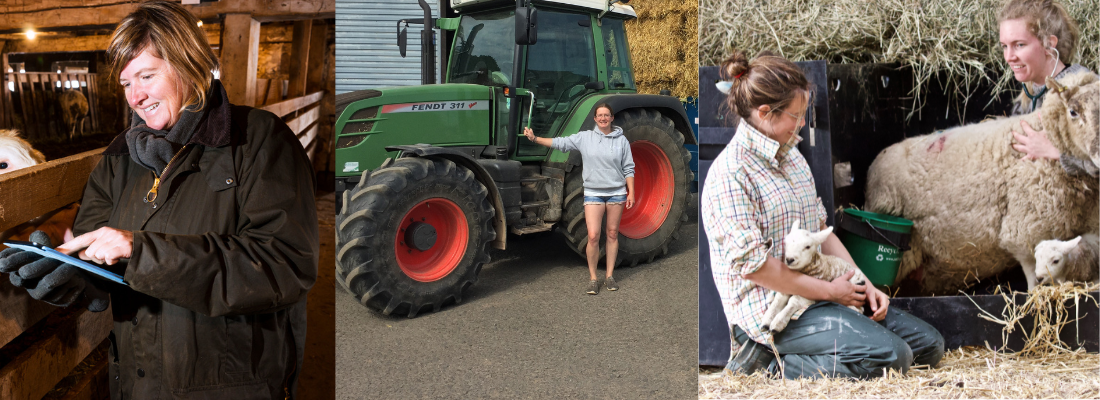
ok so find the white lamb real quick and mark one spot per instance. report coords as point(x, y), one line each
point(801, 254)
point(977, 209)
point(1073, 260)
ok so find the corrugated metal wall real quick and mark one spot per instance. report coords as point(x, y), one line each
point(366, 44)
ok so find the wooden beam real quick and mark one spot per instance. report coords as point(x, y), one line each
point(94, 383)
point(308, 142)
point(299, 58)
point(6, 113)
point(290, 105)
point(240, 55)
point(20, 311)
point(36, 190)
point(315, 74)
point(304, 120)
point(75, 13)
point(33, 372)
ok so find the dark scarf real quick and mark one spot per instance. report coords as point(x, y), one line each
point(152, 148)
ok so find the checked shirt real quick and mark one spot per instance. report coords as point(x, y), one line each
point(756, 189)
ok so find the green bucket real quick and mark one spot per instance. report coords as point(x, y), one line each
point(875, 242)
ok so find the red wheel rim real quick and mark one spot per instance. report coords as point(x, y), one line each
point(451, 236)
point(654, 184)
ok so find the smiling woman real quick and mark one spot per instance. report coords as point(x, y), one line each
point(150, 82)
point(207, 211)
point(1039, 39)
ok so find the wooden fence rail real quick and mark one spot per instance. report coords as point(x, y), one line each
point(66, 336)
point(37, 94)
point(306, 112)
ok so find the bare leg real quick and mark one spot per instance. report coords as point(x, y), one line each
point(593, 218)
point(614, 215)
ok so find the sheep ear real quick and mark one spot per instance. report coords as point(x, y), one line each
point(794, 226)
point(1072, 243)
point(823, 234)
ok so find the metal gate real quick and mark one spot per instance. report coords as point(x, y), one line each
point(29, 102)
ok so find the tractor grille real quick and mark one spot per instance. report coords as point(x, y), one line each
point(357, 127)
point(345, 99)
point(349, 141)
point(366, 113)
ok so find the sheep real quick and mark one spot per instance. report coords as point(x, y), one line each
point(1074, 260)
point(74, 109)
point(800, 254)
point(15, 154)
point(977, 209)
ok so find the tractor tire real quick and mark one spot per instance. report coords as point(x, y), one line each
point(662, 180)
point(413, 235)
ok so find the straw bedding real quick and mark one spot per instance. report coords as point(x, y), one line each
point(1045, 367)
point(957, 39)
point(968, 372)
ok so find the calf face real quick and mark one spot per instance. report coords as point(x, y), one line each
point(16, 153)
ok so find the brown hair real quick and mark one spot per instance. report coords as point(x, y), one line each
point(1045, 18)
point(767, 79)
point(603, 105)
point(171, 33)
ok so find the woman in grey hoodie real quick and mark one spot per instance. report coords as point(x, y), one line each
point(608, 185)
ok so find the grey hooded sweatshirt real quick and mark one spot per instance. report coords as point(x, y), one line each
point(606, 160)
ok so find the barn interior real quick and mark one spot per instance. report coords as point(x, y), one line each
point(278, 56)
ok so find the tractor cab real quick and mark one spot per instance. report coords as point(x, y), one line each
point(577, 53)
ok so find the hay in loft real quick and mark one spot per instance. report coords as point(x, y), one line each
point(957, 39)
point(664, 46)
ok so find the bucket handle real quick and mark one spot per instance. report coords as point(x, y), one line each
point(893, 238)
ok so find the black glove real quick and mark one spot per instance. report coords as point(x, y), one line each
point(50, 280)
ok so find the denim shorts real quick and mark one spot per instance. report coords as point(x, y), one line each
point(618, 199)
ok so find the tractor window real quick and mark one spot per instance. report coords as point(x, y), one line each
point(618, 55)
point(558, 66)
point(483, 49)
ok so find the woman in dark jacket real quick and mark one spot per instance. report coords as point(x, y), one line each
point(206, 209)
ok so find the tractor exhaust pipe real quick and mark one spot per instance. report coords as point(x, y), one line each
point(427, 46)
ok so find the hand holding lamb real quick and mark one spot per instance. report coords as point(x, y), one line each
point(801, 254)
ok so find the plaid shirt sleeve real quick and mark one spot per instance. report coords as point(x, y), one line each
point(822, 214)
point(734, 230)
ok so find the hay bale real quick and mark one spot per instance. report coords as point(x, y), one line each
point(664, 46)
point(955, 38)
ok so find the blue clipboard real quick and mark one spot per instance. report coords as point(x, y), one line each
point(57, 255)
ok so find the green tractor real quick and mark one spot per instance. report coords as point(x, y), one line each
point(429, 176)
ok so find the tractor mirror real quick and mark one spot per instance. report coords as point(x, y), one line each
point(594, 85)
point(526, 25)
point(402, 39)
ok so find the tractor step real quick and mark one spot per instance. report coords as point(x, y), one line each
point(534, 179)
point(543, 227)
point(536, 204)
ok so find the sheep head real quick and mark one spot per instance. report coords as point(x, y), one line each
point(16, 153)
point(1050, 258)
point(800, 246)
point(1073, 116)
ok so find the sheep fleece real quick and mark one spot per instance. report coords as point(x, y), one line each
point(977, 208)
